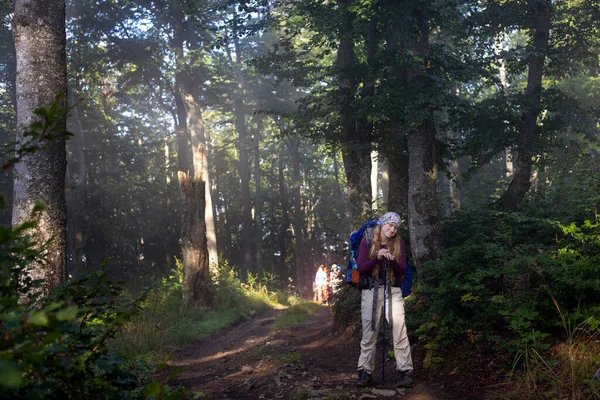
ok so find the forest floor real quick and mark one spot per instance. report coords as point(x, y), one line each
point(252, 361)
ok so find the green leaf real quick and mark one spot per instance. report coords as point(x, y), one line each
point(38, 318)
point(152, 390)
point(10, 376)
point(67, 314)
point(39, 206)
point(175, 373)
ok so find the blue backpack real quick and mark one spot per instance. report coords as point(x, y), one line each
point(352, 276)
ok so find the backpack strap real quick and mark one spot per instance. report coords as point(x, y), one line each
point(369, 236)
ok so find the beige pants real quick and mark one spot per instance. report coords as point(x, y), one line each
point(394, 309)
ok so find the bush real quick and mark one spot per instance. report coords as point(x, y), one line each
point(495, 284)
point(57, 347)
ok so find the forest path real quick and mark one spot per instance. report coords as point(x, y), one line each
point(251, 361)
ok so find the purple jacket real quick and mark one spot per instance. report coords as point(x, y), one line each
point(366, 266)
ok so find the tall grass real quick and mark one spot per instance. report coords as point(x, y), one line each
point(163, 325)
point(566, 370)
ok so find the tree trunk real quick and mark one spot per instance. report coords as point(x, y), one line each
point(374, 179)
point(356, 149)
point(209, 217)
point(244, 168)
point(385, 181)
point(397, 152)
point(423, 219)
point(528, 133)
point(423, 216)
point(77, 193)
point(6, 178)
point(39, 35)
point(258, 196)
point(285, 219)
point(196, 276)
point(294, 145)
point(336, 171)
point(398, 175)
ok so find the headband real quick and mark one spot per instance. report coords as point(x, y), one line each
point(389, 217)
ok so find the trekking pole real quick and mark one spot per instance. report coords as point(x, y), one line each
point(384, 266)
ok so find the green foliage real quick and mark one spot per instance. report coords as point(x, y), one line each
point(565, 370)
point(57, 347)
point(346, 307)
point(49, 128)
point(161, 324)
point(495, 285)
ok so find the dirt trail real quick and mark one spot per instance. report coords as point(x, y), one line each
point(250, 361)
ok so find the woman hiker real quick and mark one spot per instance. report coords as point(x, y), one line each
point(387, 250)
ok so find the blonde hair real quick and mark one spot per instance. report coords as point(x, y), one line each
point(394, 245)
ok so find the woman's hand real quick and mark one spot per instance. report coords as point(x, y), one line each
point(384, 253)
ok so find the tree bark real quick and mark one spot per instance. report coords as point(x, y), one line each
point(385, 181)
point(285, 219)
point(244, 168)
point(374, 178)
point(39, 35)
point(6, 178)
point(356, 149)
point(398, 178)
point(528, 133)
point(294, 145)
point(77, 191)
point(196, 276)
point(209, 217)
point(423, 216)
point(258, 196)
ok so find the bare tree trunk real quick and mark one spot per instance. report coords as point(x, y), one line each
point(76, 192)
point(385, 181)
point(169, 197)
point(398, 175)
point(528, 133)
point(285, 219)
point(423, 219)
point(294, 145)
point(423, 216)
point(240, 125)
point(397, 158)
point(357, 149)
point(209, 217)
point(336, 171)
point(196, 276)
point(258, 196)
point(6, 178)
point(504, 85)
point(39, 35)
point(374, 178)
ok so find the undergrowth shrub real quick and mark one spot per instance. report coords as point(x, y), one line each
point(494, 285)
point(565, 371)
point(346, 308)
point(57, 346)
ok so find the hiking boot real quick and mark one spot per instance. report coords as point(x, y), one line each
point(406, 379)
point(364, 378)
